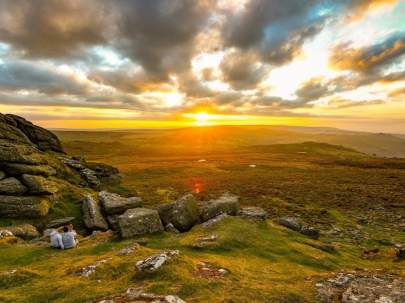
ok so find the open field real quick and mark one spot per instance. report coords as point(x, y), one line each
point(327, 186)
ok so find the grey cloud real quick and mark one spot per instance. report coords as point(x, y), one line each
point(242, 70)
point(16, 75)
point(53, 28)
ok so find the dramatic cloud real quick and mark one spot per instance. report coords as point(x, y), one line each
point(53, 28)
point(369, 58)
point(242, 70)
point(24, 75)
point(149, 58)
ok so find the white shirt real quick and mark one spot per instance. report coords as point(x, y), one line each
point(56, 239)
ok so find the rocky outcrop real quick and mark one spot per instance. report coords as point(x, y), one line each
point(182, 214)
point(226, 204)
point(32, 174)
point(92, 217)
point(42, 138)
point(114, 204)
point(139, 221)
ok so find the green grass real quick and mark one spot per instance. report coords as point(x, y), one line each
point(326, 186)
point(265, 262)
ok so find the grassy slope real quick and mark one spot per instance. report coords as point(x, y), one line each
point(327, 186)
point(267, 263)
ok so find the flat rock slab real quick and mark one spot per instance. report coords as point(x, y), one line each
point(253, 212)
point(39, 185)
point(92, 217)
point(23, 207)
point(226, 204)
point(139, 221)
point(12, 186)
point(60, 222)
point(16, 169)
point(114, 204)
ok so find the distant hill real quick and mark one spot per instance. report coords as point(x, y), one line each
point(217, 137)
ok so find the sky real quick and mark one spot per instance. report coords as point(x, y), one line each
point(175, 63)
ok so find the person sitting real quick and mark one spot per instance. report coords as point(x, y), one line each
point(56, 239)
point(69, 237)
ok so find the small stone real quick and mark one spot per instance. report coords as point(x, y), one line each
point(154, 262)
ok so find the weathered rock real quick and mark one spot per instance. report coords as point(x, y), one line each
point(24, 231)
point(60, 222)
point(9, 131)
point(226, 204)
point(310, 232)
point(93, 219)
point(73, 163)
point(209, 241)
point(128, 250)
point(154, 262)
point(16, 169)
point(361, 288)
point(41, 137)
point(91, 177)
point(183, 213)
point(23, 207)
point(39, 185)
point(290, 223)
point(2, 175)
point(19, 153)
point(12, 186)
point(139, 221)
point(253, 212)
point(115, 204)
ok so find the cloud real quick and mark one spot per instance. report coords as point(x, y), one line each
point(275, 29)
point(313, 89)
point(242, 70)
point(160, 34)
point(369, 58)
point(53, 28)
point(26, 75)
